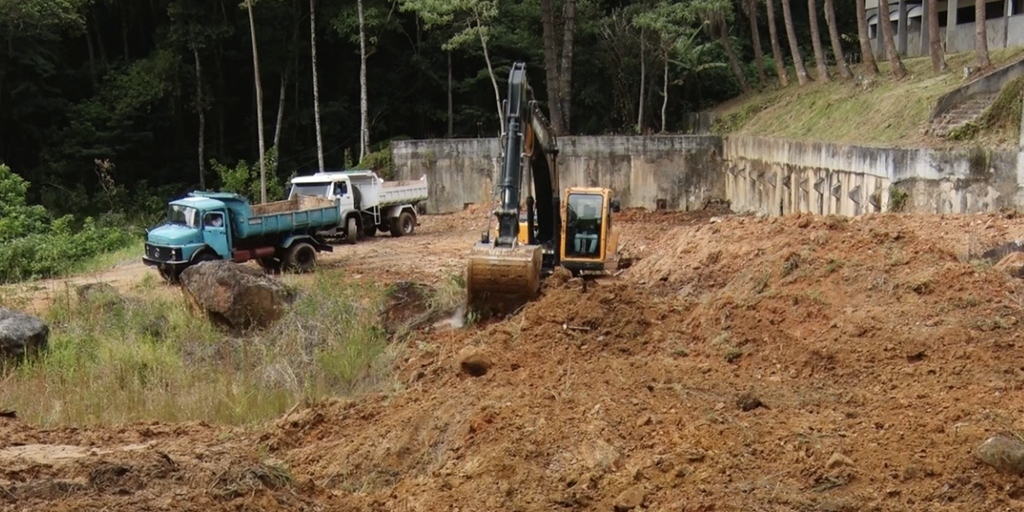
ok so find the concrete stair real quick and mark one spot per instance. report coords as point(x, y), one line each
point(965, 112)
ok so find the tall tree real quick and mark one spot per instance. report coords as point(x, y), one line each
point(750, 9)
point(980, 36)
point(717, 16)
point(259, 102)
point(558, 62)
point(780, 63)
point(837, 47)
point(895, 62)
point(794, 47)
point(867, 54)
point(316, 85)
point(934, 43)
point(819, 52)
point(364, 121)
point(472, 19)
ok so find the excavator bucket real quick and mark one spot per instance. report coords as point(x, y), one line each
point(499, 280)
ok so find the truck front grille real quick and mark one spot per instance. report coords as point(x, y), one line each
point(161, 253)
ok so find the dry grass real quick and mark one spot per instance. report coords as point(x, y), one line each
point(115, 360)
point(879, 112)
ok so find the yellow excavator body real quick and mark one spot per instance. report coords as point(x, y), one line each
point(573, 230)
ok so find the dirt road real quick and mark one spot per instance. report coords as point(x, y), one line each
point(800, 364)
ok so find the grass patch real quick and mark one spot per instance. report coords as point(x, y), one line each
point(858, 111)
point(130, 253)
point(120, 360)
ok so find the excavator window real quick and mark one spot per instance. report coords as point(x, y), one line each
point(583, 229)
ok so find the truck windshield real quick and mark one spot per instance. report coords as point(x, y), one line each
point(310, 189)
point(185, 215)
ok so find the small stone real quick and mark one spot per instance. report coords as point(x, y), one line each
point(629, 499)
point(838, 459)
point(474, 361)
point(1005, 454)
point(644, 420)
point(748, 402)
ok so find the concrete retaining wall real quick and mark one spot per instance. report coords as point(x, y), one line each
point(780, 177)
point(678, 171)
point(756, 174)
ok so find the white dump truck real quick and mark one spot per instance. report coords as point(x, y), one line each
point(368, 203)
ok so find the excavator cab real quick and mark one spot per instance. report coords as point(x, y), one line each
point(589, 242)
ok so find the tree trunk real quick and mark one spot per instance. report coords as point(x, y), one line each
point(490, 71)
point(550, 67)
point(734, 62)
point(565, 86)
point(780, 63)
point(259, 104)
point(935, 44)
point(201, 108)
point(819, 52)
point(895, 62)
point(280, 117)
point(980, 37)
point(364, 120)
point(316, 85)
point(755, 37)
point(92, 56)
point(643, 75)
point(451, 122)
point(664, 92)
point(867, 54)
point(837, 47)
point(798, 61)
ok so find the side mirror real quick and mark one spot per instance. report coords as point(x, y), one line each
point(616, 207)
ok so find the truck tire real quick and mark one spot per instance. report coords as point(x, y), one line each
point(300, 258)
point(404, 225)
point(351, 230)
point(271, 265)
point(169, 275)
point(204, 256)
point(369, 230)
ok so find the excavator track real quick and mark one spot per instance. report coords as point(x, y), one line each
point(500, 280)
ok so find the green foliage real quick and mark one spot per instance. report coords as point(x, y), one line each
point(244, 179)
point(380, 162)
point(898, 199)
point(34, 245)
point(470, 19)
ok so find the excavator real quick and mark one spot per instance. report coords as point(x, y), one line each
point(507, 265)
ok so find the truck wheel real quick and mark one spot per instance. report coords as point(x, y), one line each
point(205, 256)
point(301, 258)
point(406, 224)
point(369, 230)
point(351, 231)
point(272, 265)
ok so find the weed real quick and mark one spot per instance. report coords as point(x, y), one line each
point(833, 265)
point(897, 199)
point(762, 282)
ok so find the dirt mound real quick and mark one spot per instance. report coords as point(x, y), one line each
point(744, 364)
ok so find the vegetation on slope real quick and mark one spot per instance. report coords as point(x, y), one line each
point(882, 112)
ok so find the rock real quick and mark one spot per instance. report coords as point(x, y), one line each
point(1004, 453)
point(236, 295)
point(22, 335)
point(102, 294)
point(748, 402)
point(474, 361)
point(837, 459)
point(644, 420)
point(629, 499)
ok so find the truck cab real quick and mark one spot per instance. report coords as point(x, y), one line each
point(195, 229)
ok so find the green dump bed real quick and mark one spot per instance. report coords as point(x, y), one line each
point(300, 214)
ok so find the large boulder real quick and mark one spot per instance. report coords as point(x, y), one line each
point(21, 335)
point(238, 296)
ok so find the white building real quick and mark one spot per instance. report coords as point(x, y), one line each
point(1004, 25)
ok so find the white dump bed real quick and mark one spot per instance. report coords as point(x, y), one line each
point(377, 192)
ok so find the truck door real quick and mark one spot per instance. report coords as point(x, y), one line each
point(342, 191)
point(215, 232)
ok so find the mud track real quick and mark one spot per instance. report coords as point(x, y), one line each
point(799, 364)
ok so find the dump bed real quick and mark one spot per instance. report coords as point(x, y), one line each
point(299, 213)
point(377, 192)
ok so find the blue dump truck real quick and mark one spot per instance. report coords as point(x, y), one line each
point(206, 226)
